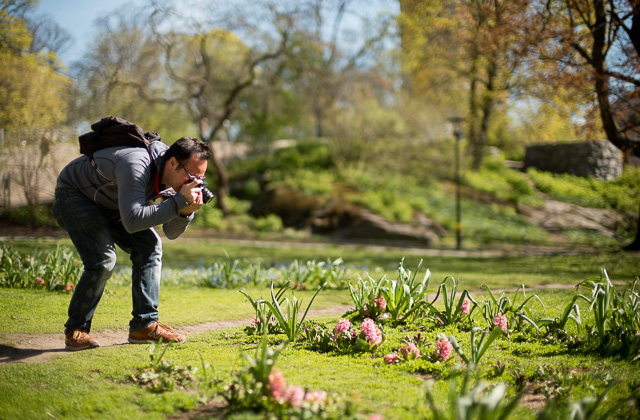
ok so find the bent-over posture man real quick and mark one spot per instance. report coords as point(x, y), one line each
point(116, 202)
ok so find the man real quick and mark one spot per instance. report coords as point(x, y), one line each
point(113, 200)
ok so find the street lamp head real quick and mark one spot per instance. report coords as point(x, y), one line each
point(457, 123)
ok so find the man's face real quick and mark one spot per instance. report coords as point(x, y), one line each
point(177, 173)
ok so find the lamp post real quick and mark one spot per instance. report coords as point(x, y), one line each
point(457, 122)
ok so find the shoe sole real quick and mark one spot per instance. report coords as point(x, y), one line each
point(90, 346)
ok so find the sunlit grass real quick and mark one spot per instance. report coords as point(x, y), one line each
point(99, 379)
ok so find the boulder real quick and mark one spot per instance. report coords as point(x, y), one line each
point(557, 216)
point(341, 220)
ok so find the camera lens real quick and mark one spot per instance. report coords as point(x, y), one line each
point(207, 195)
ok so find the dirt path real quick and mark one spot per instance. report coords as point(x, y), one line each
point(28, 348)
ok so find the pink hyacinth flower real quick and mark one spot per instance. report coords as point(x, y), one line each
point(294, 395)
point(316, 397)
point(409, 352)
point(380, 303)
point(39, 281)
point(375, 417)
point(500, 321)
point(392, 358)
point(69, 287)
point(443, 348)
point(466, 306)
point(277, 384)
point(343, 326)
point(255, 321)
point(371, 332)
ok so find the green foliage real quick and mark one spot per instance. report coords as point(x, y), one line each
point(366, 296)
point(239, 222)
point(57, 270)
point(303, 155)
point(268, 224)
point(344, 338)
point(393, 196)
point(626, 323)
point(506, 184)
point(619, 194)
point(311, 274)
point(262, 323)
point(588, 407)
point(615, 314)
point(405, 196)
point(452, 312)
point(570, 312)
point(405, 296)
point(261, 387)
point(289, 322)
point(601, 302)
point(503, 306)
point(524, 353)
point(402, 298)
point(162, 375)
point(40, 215)
point(32, 90)
point(309, 181)
point(479, 346)
point(482, 402)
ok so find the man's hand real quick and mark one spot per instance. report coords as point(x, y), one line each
point(193, 194)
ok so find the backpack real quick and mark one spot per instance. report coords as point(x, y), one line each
point(114, 131)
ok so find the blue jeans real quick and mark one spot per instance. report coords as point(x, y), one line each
point(94, 232)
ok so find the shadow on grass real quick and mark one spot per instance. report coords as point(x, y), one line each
point(10, 354)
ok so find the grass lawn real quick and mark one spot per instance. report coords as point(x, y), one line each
point(97, 383)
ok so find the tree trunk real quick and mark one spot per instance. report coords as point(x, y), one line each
point(472, 132)
point(603, 91)
point(222, 184)
point(635, 245)
point(487, 111)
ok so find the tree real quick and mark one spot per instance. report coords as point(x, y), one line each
point(467, 51)
point(599, 39)
point(47, 36)
point(31, 90)
point(122, 74)
point(32, 97)
point(330, 53)
point(210, 67)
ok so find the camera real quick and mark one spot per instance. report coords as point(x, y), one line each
point(207, 195)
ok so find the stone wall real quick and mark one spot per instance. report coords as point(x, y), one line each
point(599, 159)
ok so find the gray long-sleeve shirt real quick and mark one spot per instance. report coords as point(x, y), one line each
point(125, 182)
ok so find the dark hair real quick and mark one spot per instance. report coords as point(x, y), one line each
point(186, 147)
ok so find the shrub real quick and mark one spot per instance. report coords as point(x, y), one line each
point(505, 183)
point(56, 270)
point(619, 194)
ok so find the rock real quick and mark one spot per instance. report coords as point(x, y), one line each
point(293, 207)
point(557, 216)
point(372, 226)
point(340, 219)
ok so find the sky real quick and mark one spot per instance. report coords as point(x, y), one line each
point(77, 18)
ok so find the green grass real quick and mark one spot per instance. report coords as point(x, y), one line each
point(565, 267)
point(620, 193)
point(98, 379)
point(95, 384)
point(26, 309)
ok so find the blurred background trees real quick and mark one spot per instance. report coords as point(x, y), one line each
point(375, 81)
